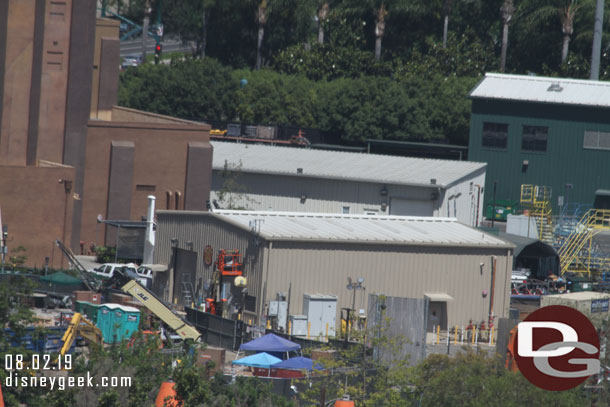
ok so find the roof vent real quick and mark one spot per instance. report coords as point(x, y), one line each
point(299, 170)
point(555, 87)
point(433, 181)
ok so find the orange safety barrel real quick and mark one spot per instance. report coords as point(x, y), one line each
point(166, 390)
point(344, 403)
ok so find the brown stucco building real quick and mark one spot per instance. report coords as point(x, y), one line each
point(67, 152)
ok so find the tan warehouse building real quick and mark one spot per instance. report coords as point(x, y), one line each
point(314, 253)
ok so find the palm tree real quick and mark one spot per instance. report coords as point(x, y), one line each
point(261, 20)
point(447, 6)
point(506, 12)
point(380, 14)
point(566, 10)
point(567, 14)
point(322, 15)
point(381, 10)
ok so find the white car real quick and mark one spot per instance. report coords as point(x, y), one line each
point(106, 270)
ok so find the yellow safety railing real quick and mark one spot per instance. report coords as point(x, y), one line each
point(537, 199)
point(576, 250)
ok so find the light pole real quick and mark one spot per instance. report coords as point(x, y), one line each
point(359, 285)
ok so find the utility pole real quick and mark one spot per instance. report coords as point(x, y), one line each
point(597, 40)
point(352, 286)
point(145, 29)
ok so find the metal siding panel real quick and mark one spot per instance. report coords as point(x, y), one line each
point(566, 161)
point(401, 272)
point(206, 230)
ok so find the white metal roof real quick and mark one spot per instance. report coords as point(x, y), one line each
point(125, 308)
point(543, 89)
point(402, 230)
point(341, 165)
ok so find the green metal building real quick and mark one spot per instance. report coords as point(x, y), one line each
point(542, 131)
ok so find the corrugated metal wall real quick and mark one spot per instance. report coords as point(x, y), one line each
point(403, 321)
point(564, 162)
point(203, 229)
point(323, 268)
point(400, 271)
point(283, 193)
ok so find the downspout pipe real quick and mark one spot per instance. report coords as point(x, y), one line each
point(494, 259)
point(149, 239)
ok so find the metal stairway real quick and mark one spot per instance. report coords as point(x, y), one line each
point(537, 199)
point(577, 252)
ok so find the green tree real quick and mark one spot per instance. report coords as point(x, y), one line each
point(506, 13)
point(190, 20)
point(189, 89)
point(233, 194)
point(17, 256)
point(565, 10)
point(16, 317)
point(474, 380)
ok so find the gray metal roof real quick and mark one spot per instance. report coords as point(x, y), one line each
point(341, 165)
point(543, 89)
point(402, 230)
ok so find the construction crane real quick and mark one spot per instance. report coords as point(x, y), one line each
point(126, 281)
point(80, 325)
point(92, 283)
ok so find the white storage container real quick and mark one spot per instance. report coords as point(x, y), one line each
point(298, 325)
point(321, 312)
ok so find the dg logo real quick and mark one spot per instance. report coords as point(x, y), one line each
point(557, 348)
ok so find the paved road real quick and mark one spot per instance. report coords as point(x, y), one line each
point(134, 47)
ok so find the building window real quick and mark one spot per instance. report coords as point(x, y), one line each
point(495, 135)
point(534, 138)
point(346, 210)
point(597, 140)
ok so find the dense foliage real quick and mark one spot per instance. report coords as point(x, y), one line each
point(375, 107)
point(321, 70)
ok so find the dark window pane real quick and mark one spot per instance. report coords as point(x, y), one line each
point(534, 138)
point(495, 135)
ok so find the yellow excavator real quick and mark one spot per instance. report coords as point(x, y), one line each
point(79, 325)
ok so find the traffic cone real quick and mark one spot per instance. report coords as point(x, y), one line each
point(166, 391)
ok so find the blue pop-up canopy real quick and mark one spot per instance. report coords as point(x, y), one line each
point(263, 360)
point(298, 363)
point(270, 343)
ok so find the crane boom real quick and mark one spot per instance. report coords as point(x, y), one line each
point(91, 282)
point(127, 282)
point(162, 311)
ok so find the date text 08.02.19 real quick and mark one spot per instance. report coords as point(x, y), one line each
point(36, 361)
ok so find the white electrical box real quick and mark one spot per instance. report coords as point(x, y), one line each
point(298, 325)
point(273, 308)
point(321, 312)
point(279, 309)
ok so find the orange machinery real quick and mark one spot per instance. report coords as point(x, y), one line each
point(511, 363)
point(228, 266)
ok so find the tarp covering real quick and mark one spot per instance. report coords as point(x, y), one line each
point(298, 363)
point(262, 359)
point(270, 343)
point(61, 278)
